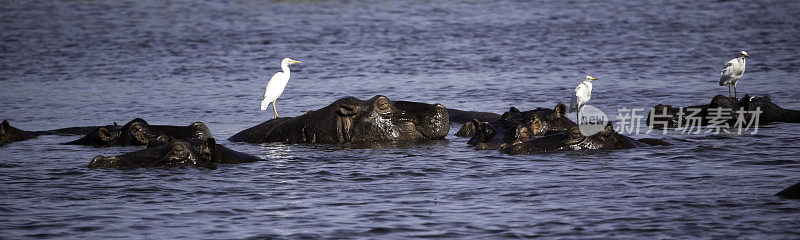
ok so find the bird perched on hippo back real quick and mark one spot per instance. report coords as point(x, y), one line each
point(733, 71)
point(581, 96)
point(276, 85)
point(352, 120)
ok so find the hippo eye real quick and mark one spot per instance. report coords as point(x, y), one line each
point(575, 133)
point(178, 149)
point(383, 105)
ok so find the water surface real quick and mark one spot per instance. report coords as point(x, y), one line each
point(77, 63)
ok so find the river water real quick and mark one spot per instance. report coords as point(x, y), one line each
point(78, 63)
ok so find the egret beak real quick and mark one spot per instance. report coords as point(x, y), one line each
point(293, 61)
point(593, 79)
point(746, 55)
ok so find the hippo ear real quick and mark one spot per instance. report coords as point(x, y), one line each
point(105, 135)
point(475, 122)
point(513, 110)
point(346, 110)
point(4, 127)
point(609, 129)
point(521, 134)
point(560, 109)
point(536, 126)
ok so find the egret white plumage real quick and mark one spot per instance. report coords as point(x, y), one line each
point(733, 71)
point(276, 85)
point(582, 95)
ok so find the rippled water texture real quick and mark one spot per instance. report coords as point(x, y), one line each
point(77, 63)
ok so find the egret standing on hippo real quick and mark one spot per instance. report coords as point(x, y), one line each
point(733, 71)
point(276, 85)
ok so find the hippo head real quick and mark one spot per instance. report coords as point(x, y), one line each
point(573, 139)
point(194, 130)
point(136, 132)
point(721, 101)
point(769, 111)
point(484, 132)
point(515, 126)
point(198, 130)
point(379, 119)
point(541, 121)
point(555, 119)
point(173, 153)
point(139, 132)
point(11, 134)
point(101, 136)
point(606, 139)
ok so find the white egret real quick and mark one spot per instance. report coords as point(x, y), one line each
point(582, 95)
point(276, 85)
point(733, 71)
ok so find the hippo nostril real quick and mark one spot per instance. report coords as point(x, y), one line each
point(100, 161)
point(439, 106)
point(104, 134)
point(97, 159)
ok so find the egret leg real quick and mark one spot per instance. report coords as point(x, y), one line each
point(734, 91)
point(274, 108)
point(729, 90)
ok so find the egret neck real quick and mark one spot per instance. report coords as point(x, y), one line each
point(285, 67)
point(588, 84)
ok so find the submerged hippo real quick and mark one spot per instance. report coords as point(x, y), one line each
point(790, 192)
point(573, 139)
point(462, 117)
point(9, 134)
point(193, 152)
point(135, 132)
point(669, 116)
point(352, 120)
point(139, 132)
point(516, 126)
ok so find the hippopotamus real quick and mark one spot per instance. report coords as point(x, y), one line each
point(573, 139)
point(9, 134)
point(770, 112)
point(790, 192)
point(352, 120)
point(135, 132)
point(203, 153)
point(462, 117)
point(516, 126)
point(139, 132)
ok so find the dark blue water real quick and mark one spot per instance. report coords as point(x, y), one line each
point(77, 63)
